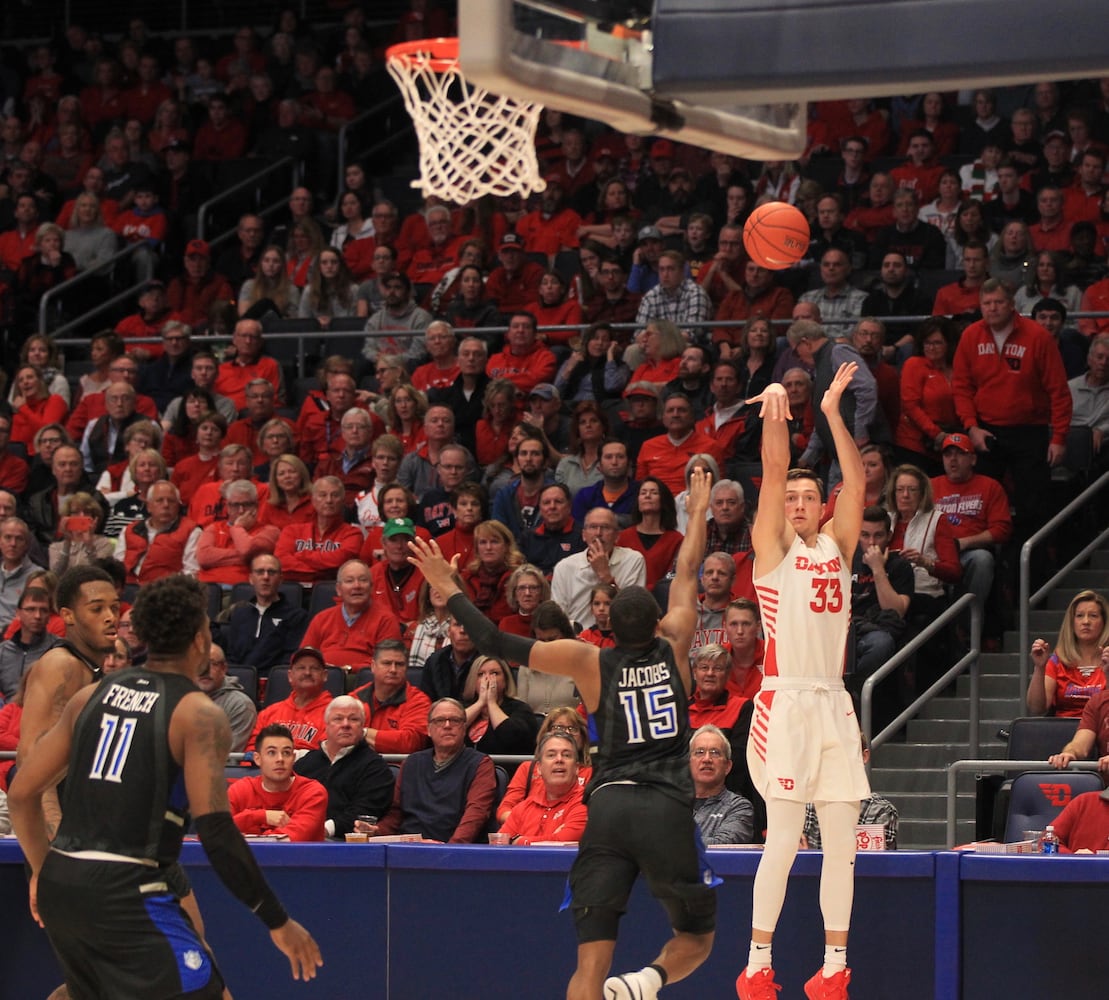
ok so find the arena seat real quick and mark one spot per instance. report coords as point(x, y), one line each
point(1038, 797)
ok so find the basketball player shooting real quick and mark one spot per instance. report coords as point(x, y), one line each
point(804, 744)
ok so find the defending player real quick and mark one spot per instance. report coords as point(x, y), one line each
point(804, 744)
point(641, 795)
point(144, 747)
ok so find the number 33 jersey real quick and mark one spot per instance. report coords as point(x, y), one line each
point(806, 609)
point(124, 793)
point(642, 721)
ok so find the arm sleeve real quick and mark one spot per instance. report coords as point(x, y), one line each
point(486, 636)
point(237, 869)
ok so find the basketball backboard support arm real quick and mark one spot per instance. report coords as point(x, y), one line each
point(574, 79)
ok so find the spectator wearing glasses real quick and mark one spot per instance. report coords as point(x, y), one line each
point(554, 810)
point(229, 543)
point(563, 721)
point(722, 816)
point(247, 363)
point(93, 405)
point(169, 376)
point(602, 562)
point(444, 793)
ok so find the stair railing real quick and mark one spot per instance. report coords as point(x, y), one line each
point(1029, 600)
point(968, 660)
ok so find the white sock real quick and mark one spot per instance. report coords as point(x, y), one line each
point(835, 959)
point(759, 957)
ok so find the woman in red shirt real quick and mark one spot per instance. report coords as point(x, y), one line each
point(663, 344)
point(487, 574)
point(495, 426)
point(405, 416)
point(927, 403)
point(653, 530)
point(1063, 683)
point(34, 407)
point(553, 309)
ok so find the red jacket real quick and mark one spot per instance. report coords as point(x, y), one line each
point(515, 291)
point(160, 558)
point(233, 378)
point(525, 371)
point(307, 556)
point(955, 299)
point(306, 724)
point(1027, 385)
point(352, 645)
point(305, 803)
point(401, 722)
point(660, 457)
point(225, 552)
point(536, 819)
point(980, 504)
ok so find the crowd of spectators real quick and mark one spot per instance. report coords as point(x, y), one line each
point(529, 383)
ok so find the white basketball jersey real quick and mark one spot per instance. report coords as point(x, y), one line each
point(806, 609)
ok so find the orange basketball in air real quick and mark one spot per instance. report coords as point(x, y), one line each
point(776, 235)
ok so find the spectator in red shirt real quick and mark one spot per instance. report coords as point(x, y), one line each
point(441, 371)
point(192, 294)
point(921, 173)
point(552, 226)
point(431, 262)
point(665, 456)
point(221, 137)
point(524, 361)
point(278, 802)
point(396, 711)
point(303, 711)
point(102, 103)
point(326, 107)
point(515, 282)
point(348, 633)
point(153, 314)
point(1052, 232)
point(142, 100)
point(312, 550)
point(248, 363)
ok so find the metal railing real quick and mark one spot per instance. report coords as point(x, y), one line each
point(969, 659)
point(395, 132)
point(1027, 599)
point(958, 767)
point(100, 271)
point(254, 180)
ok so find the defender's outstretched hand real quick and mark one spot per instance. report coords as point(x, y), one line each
point(834, 393)
point(427, 557)
point(775, 402)
point(700, 489)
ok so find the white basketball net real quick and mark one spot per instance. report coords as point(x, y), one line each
point(472, 143)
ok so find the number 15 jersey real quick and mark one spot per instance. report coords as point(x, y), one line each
point(806, 609)
point(642, 721)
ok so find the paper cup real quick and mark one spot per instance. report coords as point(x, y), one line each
point(870, 837)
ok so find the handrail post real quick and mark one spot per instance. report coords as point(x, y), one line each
point(253, 179)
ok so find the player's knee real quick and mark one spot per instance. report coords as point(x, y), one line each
point(596, 923)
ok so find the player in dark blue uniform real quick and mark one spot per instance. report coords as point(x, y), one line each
point(641, 794)
point(143, 748)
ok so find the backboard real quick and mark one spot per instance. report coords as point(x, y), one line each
point(735, 75)
point(594, 58)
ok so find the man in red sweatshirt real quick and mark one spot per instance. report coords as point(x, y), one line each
point(279, 802)
point(1011, 395)
point(396, 711)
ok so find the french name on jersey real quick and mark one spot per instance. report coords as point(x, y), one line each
point(127, 700)
point(634, 677)
point(805, 563)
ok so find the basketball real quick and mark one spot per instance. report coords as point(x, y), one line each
point(776, 235)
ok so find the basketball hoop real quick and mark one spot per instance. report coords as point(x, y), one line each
point(472, 143)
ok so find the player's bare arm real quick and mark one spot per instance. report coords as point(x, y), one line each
point(566, 657)
point(848, 518)
point(201, 733)
point(680, 621)
point(42, 771)
point(771, 534)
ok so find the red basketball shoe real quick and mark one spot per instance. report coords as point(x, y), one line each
point(828, 988)
point(760, 986)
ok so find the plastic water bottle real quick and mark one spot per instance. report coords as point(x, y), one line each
point(1050, 842)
